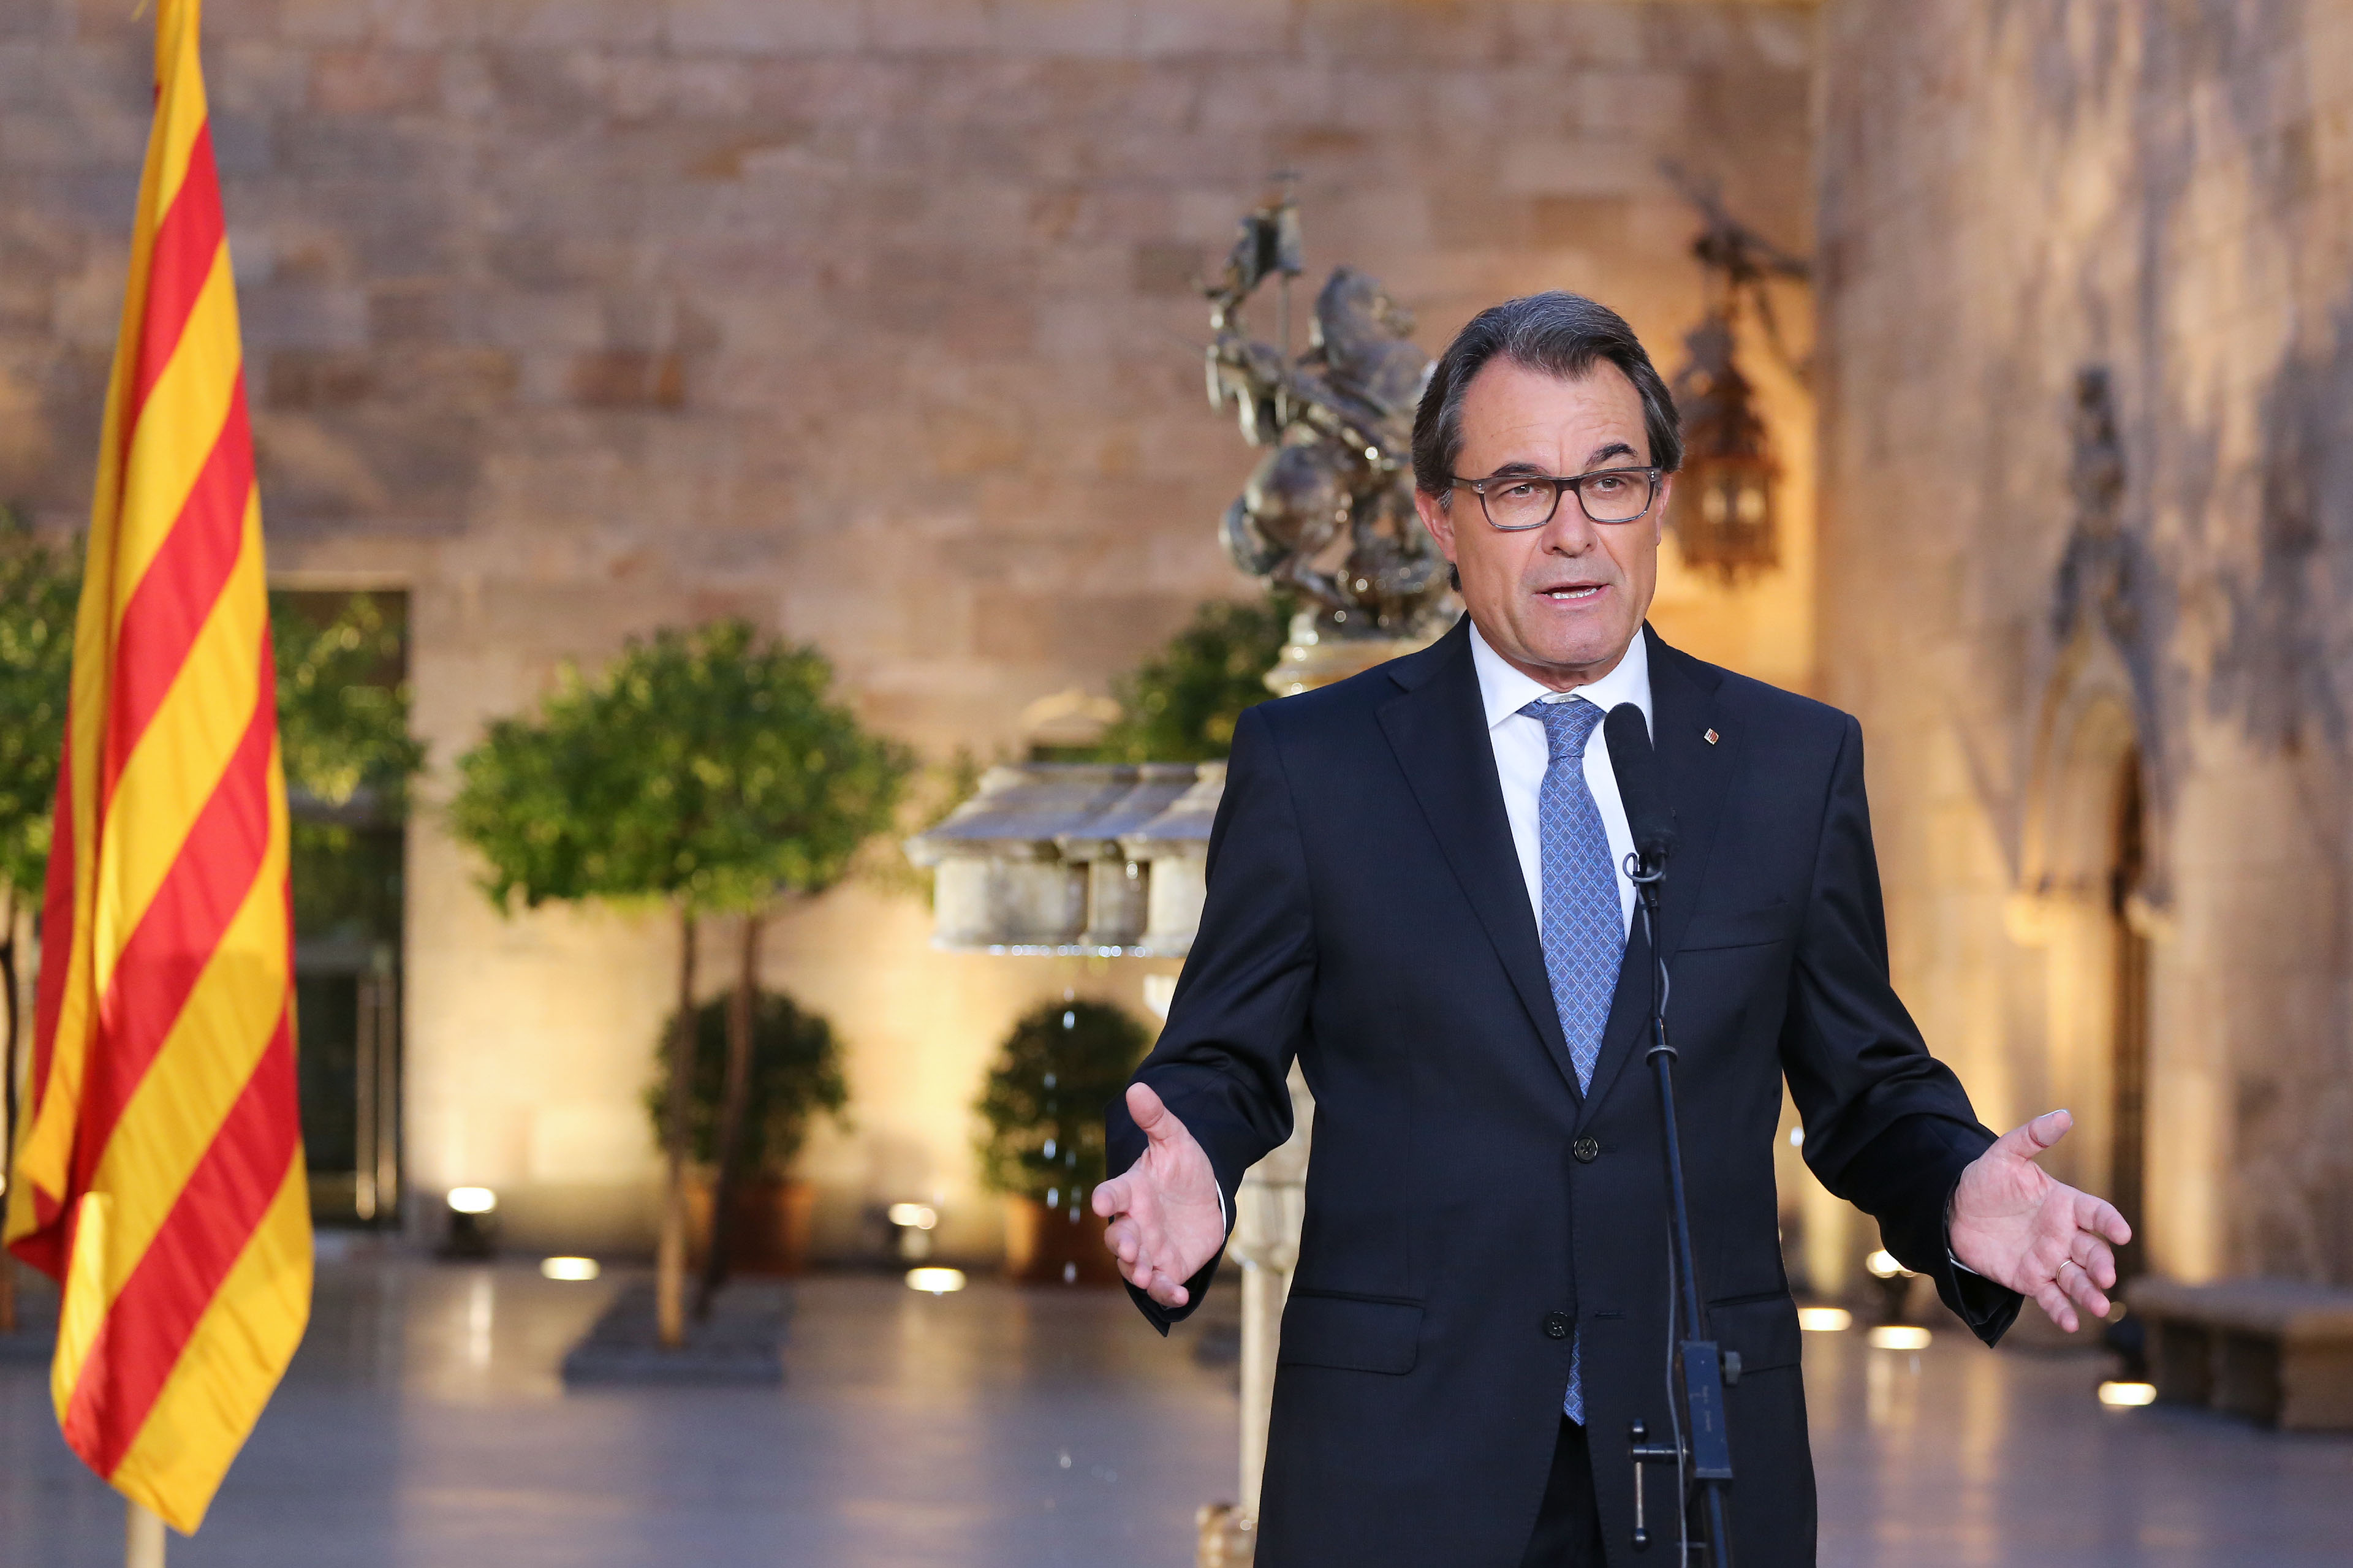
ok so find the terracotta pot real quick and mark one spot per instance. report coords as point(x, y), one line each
point(767, 1234)
point(1042, 1247)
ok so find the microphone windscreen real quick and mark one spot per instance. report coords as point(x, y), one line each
point(1642, 785)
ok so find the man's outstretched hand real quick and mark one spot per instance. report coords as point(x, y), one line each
point(1165, 1218)
point(2017, 1227)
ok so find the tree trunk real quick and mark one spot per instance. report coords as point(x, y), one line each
point(739, 1016)
point(669, 1257)
point(8, 1100)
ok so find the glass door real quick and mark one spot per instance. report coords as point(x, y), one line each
point(347, 1011)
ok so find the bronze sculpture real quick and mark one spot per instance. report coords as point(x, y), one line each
point(1328, 513)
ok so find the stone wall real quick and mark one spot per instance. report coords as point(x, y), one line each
point(870, 320)
point(2013, 194)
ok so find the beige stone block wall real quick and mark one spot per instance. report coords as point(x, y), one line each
point(872, 321)
point(2010, 194)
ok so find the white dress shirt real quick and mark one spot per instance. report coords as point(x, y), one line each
point(1523, 753)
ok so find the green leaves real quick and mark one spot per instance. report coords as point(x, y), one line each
point(1181, 706)
point(343, 704)
point(709, 767)
point(39, 589)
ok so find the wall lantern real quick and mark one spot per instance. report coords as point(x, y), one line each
point(1723, 509)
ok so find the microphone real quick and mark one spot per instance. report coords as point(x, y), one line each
point(1641, 787)
point(1697, 1359)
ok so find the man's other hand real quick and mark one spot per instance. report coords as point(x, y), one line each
point(2015, 1225)
point(1165, 1217)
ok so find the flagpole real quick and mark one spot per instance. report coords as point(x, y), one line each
point(143, 1544)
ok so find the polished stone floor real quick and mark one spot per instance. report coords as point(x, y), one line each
point(1959, 1458)
point(423, 1426)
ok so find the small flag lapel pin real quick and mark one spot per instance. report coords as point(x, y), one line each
point(1711, 737)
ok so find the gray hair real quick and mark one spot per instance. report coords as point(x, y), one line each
point(1557, 333)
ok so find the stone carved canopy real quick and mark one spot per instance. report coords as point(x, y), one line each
point(1068, 858)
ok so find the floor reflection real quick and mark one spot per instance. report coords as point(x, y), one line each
point(424, 1425)
point(1954, 1458)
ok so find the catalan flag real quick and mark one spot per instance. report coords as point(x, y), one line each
point(160, 1172)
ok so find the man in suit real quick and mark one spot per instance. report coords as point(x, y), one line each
point(1417, 887)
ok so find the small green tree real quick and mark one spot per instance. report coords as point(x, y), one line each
point(711, 770)
point(1044, 1103)
point(1181, 706)
point(342, 702)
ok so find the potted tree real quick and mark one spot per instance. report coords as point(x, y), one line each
point(1043, 1147)
point(711, 770)
point(793, 1073)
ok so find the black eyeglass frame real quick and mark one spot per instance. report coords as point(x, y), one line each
point(1559, 482)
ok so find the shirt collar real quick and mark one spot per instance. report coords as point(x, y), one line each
point(1503, 691)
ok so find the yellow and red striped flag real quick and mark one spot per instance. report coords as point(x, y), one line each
point(160, 1172)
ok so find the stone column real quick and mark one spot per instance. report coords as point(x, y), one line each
point(1267, 1214)
point(1268, 1211)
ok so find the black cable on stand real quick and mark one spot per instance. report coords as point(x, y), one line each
point(1701, 1451)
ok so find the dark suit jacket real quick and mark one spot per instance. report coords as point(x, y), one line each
point(1367, 912)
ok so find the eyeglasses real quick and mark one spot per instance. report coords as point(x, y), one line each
point(1515, 502)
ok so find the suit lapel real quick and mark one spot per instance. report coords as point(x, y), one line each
point(1697, 770)
point(1437, 727)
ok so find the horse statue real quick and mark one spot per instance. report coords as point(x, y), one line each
point(1328, 513)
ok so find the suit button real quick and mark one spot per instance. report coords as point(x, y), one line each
point(1557, 1325)
point(1586, 1151)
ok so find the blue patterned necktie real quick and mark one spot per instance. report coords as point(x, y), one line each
point(1584, 923)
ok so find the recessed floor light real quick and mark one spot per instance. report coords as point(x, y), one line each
point(2127, 1395)
point(472, 1200)
point(1824, 1320)
point(938, 1282)
point(569, 1268)
point(1898, 1337)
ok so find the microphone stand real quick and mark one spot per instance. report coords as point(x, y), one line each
point(1701, 1442)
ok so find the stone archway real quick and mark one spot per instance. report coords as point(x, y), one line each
point(2091, 894)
